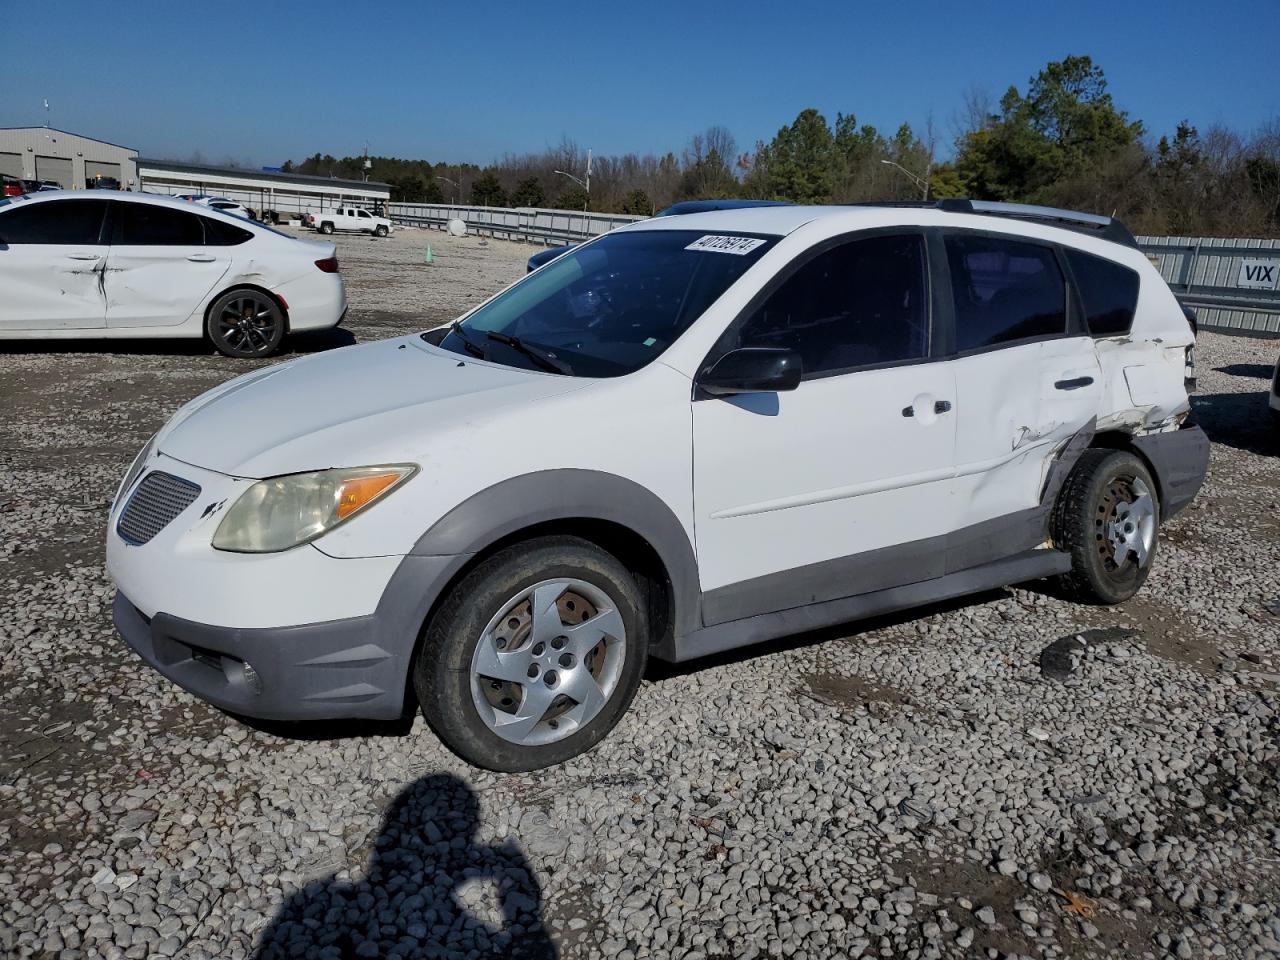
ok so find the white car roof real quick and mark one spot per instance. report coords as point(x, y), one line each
point(777, 220)
point(128, 196)
point(131, 196)
point(824, 221)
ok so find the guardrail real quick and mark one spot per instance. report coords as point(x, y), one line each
point(1233, 284)
point(530, 224)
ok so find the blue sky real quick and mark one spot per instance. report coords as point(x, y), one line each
point(259, 82)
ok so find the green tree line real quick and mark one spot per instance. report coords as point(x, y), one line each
point(1063, 141)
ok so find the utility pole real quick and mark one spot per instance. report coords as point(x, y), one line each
point(46, 113)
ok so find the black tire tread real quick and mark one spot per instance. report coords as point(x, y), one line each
point(1071, 525)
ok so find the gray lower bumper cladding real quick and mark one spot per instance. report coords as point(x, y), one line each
point(321, 670)
point(1180, 459)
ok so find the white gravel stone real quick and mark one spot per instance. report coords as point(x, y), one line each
point(807, 799)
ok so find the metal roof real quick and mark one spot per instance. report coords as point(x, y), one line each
point(178, 166)
point(69, 133)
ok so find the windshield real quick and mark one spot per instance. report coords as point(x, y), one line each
point(608, 308)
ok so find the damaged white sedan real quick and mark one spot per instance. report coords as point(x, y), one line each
point(690, 434)
point(105, 263)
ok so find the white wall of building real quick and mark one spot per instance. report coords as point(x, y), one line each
point(44, 153)
point(278, 192)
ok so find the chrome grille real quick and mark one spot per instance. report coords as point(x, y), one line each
point(159, 498)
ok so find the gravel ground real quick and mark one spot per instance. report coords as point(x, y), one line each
point(918, 786)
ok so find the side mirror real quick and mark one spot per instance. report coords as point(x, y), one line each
point(752, 370)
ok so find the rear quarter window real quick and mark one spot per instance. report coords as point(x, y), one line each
point(1108, 293)
point(219, 234)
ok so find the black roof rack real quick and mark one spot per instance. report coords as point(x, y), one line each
point(1108, 228)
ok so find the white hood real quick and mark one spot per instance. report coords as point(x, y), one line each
point(355, 406)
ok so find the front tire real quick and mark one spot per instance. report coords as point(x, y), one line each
point(381, 231)
point(1108, 518)
point(245, 324)
point(533, 656)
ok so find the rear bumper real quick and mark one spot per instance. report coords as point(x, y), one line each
point(317, 301)
point(1180, 459)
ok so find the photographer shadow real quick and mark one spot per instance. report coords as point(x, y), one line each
point(428, 892)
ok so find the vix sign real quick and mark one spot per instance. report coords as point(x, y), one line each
point(1259, 274)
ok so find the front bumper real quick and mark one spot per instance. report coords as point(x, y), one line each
point(325, 637)
point(320, 670)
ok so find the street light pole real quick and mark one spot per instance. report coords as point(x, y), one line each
point(455, 188)
point(585, 184)
point(922, 184)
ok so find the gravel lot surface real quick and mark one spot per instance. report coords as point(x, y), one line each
point(918, 786)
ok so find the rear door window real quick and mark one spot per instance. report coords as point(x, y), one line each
point(1108, 292)
point(146, 224)
point(68, 222)
point(1005, 290)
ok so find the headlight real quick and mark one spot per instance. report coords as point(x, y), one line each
point(135, 468)
point(282, 512)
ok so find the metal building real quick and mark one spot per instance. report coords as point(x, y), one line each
point(286, 193)
point(67, 159)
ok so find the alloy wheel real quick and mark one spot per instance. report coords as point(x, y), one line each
point(247, 324)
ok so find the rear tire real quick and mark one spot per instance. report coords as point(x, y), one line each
point(245, 324)
point(1108, 518)
point(562, 621)
point(326, 228)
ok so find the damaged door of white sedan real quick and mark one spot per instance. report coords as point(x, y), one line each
point(51, 262)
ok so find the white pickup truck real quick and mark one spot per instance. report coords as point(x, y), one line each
point(349, 218)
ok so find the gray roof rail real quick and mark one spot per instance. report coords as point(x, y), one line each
point(1108, 228)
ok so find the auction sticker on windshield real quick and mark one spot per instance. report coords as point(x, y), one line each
point(734, 245)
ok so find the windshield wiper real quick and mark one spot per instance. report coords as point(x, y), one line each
point(470, 345)
point(548, 361)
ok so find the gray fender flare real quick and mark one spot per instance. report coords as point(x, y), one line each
point(508, 507)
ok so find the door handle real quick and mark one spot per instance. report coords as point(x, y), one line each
point(202, 258)
point(84, 256)
point(1075, 383)
point(940, 406)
